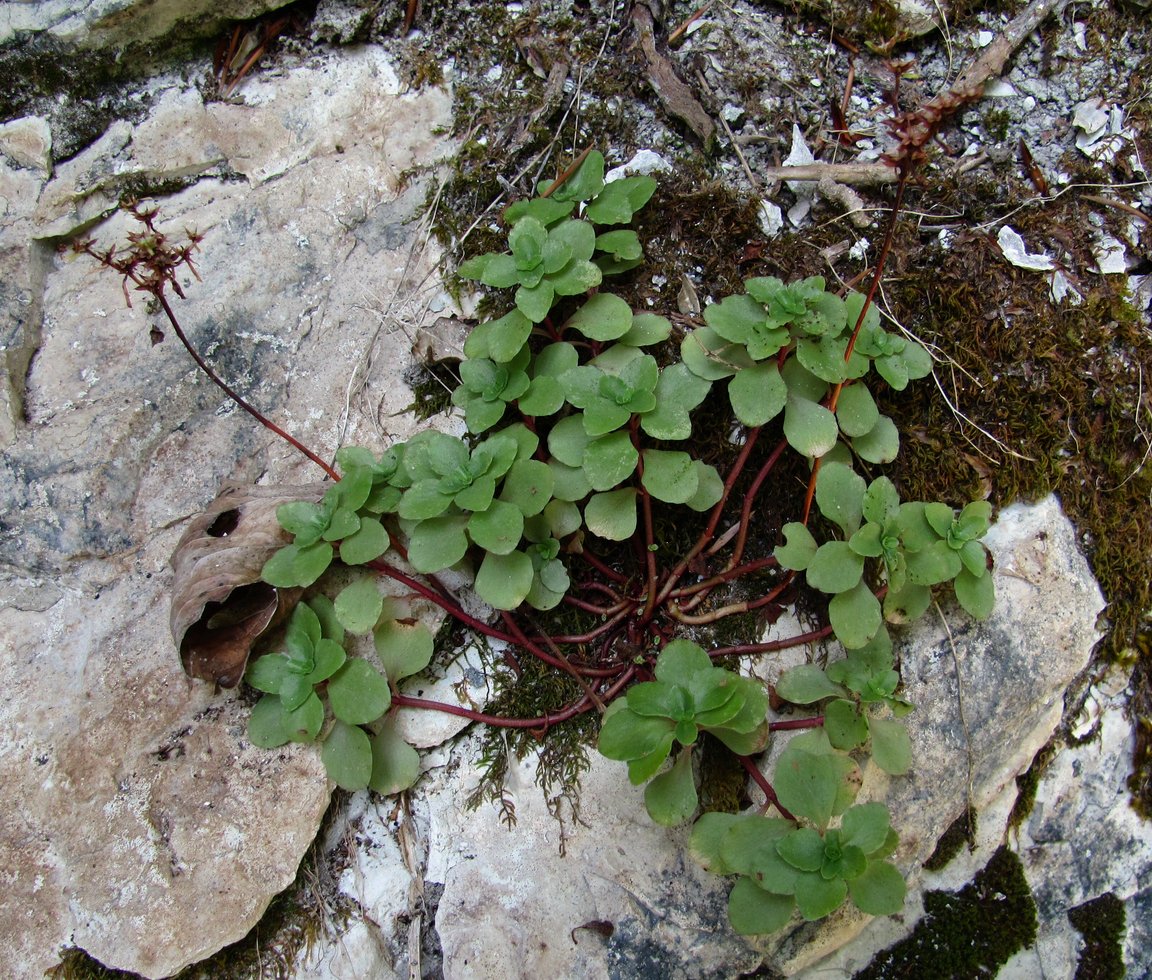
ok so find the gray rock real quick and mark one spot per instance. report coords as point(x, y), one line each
point(513, 896)
point(96, 24)
point(140, 809)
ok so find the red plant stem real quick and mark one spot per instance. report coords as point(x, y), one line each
point(773, 645)
point(714, 519)
point(594, 586)
point(594, 633)
point(746, 569)
point(544, 721)
point(443, 602)
point(602, 568)
point(223, 386)
point(589, 607)
point(794, 723)
point(765, 786)
point(750, 499)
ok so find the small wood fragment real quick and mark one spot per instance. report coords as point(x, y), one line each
point(676, 97)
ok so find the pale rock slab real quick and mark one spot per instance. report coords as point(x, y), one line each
point(510, 899)
point(97, 24)
point(145, 828)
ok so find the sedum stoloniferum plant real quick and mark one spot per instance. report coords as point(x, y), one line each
point(582, 446)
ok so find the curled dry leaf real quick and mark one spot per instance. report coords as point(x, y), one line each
point(220, 606)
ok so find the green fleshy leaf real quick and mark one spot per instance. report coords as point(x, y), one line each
point(881, 501)
point(612, 515)
point(670, 476)
point(347, 755)
point(424, 499)
point(808, 783)
point(751, 742)
point(438, 543)
point(754, 912)
point(976, 595)
point(267, 673)
point(507, 336)
point(855, 616)
point(865, 826)
point(835, 567)
point(294, 691)
point(404, 648)
point(708, 835)
point(528, 485)
point(845, 725)
point(499, 271)
point(575, 278)
point(622, 245)
point(535, 301)
point(546, 210)
point(609, 460)
point(268, 723)
point(603, 317)
point(817, 897)
point(620, 199)
point(294, 565)
point(807, 684)
point(758, 394)
point(840, 495)
point(749, 848)
point(670, 798)
point(868, 541)
point(583, 185)
point(660, 699)
point(498, 529)
point(330, 657)
point(303, 519)
point(366, 545)
point(326, 615)
point(934, 564)
point(344, 523)
point(709, 487)
point(568, 441)
point(891, 746)
point(736, 318)
point(809, 427)
point(544, 397)
point(680, 661)
point(881, 444)
point(906, 605)
point(646, 329)
point(803, 849)
point(711, 357)
point(395, 764)
point(798, 549)
point(678, 391)
point(570, 482)
point(358, 606)
point(359, 693)
point(503, 581)
point(563, 518)
point(880, 890)
point(856, 411)
point(625, 735)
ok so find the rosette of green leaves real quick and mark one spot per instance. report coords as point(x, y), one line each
point(348, 514)
point(783, 867)
point(860, 691)
point(487, 387)
point(917, 553)
point(688, 696)
point(313, 668)
point(543, 263)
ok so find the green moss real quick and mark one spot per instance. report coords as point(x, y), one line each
point(1101, 924)
point(969, 933)
point(961, 831)
point(1027, 784)
point(996, 122)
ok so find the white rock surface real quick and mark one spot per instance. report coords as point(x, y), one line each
point(139, 808)
point(510, 897)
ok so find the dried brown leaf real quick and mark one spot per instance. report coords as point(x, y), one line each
point(220, 606)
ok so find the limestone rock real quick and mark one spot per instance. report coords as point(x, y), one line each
point(512, 897)
point(140, 809)
point(96, 24)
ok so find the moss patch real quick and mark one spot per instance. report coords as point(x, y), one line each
point(1100, 923)
point(961, 831)
point(969, 933)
